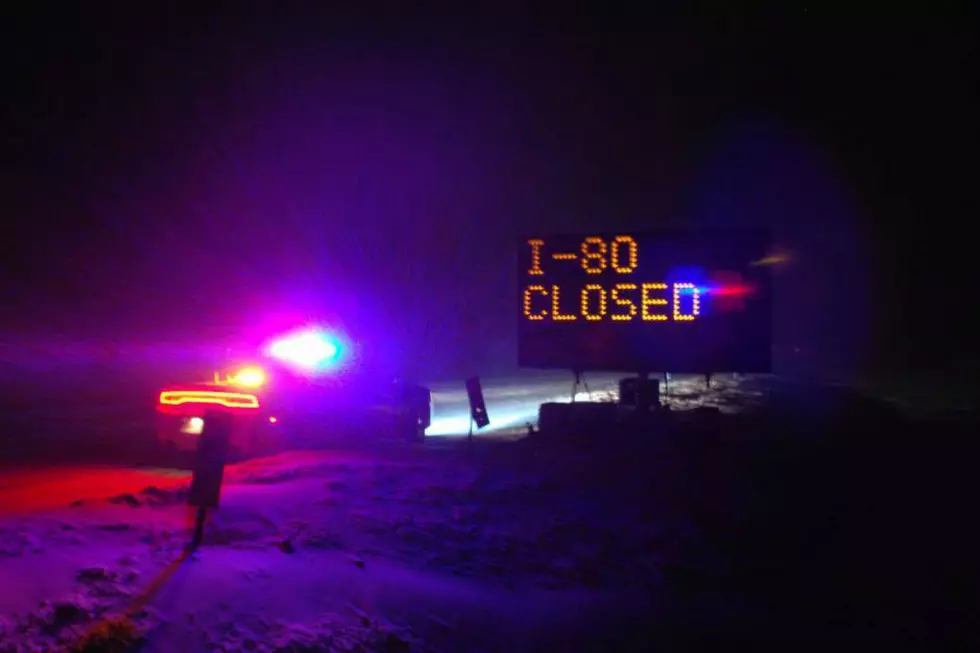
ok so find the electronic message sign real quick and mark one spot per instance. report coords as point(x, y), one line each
point(646, 302)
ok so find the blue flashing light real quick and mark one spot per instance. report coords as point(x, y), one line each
point(309, 350)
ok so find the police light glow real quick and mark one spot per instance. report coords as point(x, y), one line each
point(308, 349)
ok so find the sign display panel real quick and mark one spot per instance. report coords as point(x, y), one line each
point(646, 302)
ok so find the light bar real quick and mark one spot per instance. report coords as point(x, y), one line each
point(309, 349)
point(226, 399)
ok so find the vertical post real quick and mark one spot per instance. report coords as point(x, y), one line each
point(209, 469)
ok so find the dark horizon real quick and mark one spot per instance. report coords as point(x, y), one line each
point(170, 178)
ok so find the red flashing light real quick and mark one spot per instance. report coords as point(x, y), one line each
point(731, 290)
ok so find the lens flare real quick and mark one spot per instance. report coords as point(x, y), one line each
point(779, 257)
point(729, 291)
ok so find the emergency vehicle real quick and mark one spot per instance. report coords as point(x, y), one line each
point(299, 390)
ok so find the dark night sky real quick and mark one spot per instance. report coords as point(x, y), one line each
point(383, 169)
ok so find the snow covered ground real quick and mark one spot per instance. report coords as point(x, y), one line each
point(607, 543)
point(413, 550)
